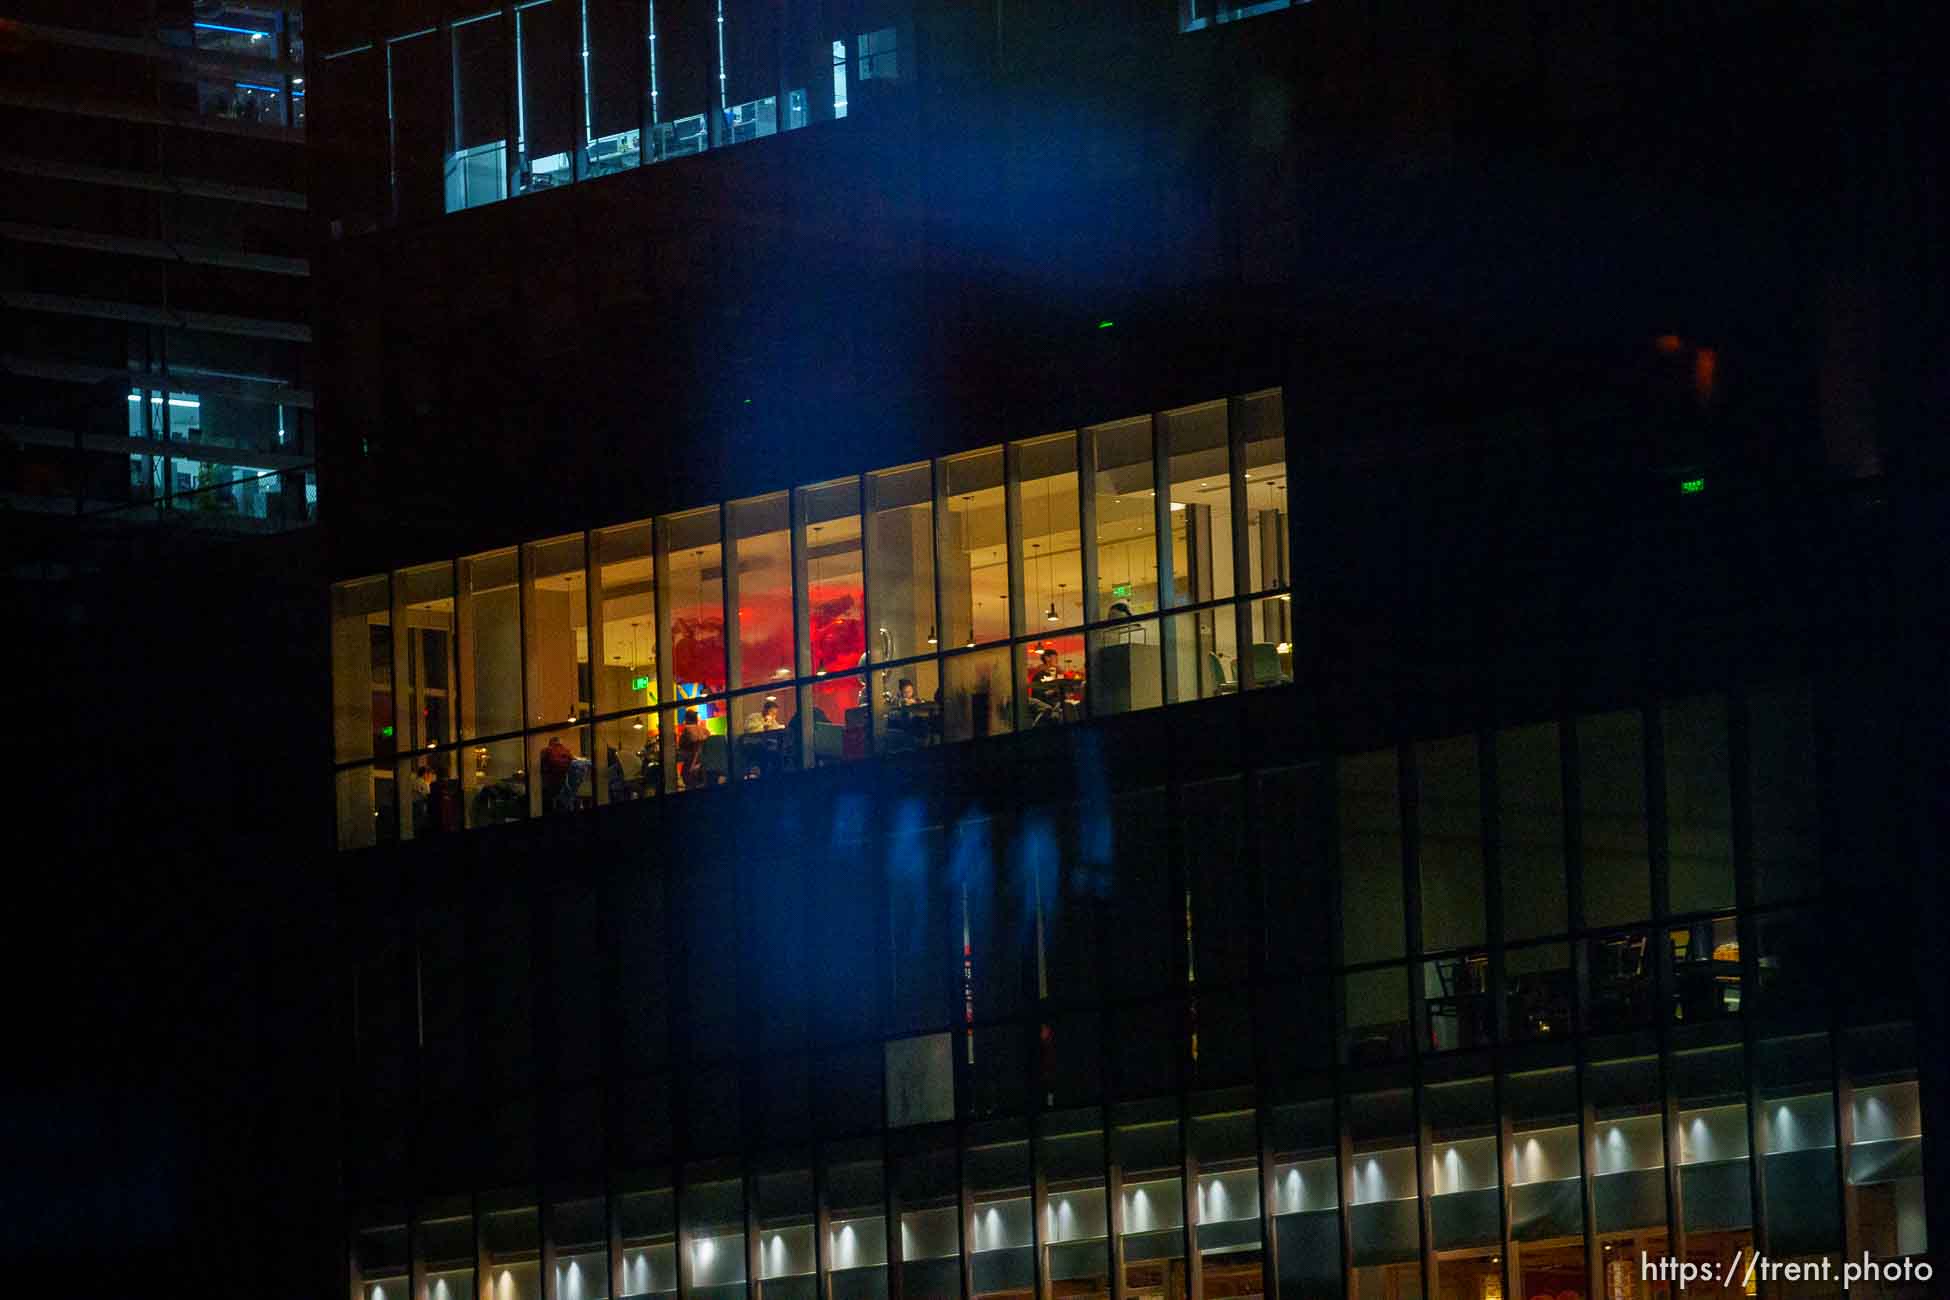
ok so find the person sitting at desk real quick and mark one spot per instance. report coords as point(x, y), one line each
point(908, 717)
point(764, 741)
point(1046, 690)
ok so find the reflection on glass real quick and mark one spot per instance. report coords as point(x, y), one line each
point(511, 1249)
point(1126, 667)
point(996, 1165)
point(1463, 1175)
point(1306, 1198)
point(785, 1232)
point(901, 543)
point(856, 1245)
point(1382, 1213)
point(1201, 503)
point(930, 1234)
point(1075, 1223)
point(978, 698)
point(380, 1255)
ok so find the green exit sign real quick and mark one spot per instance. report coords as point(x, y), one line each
point(639, 683)
point(1121, 589)
point(1691, 486)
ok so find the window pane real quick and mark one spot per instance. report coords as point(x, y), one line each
point(1126, 541)
point(626, 618)
point(974, 567)
point(427, 657)
point(1382, 1214)
point(996, 1164)
point(477, 169)
point(556, 649)
point(1372, 919)
point(977, 695)
point(380, 1255)
point(1699, 804)
point(1540, 996)
point(613, 82)
point(1797, 1133)
point(494, 781)
point(1126, 668)
point(1630, 1185)
point(548, 34)
point(1225, 1139)
point(714, 1218)
point(764, 741)
point(1075, 1223)
point(695, 593)
point(564, 776)
point(1201, 653)
point(511, 1249)
point(490, 649)
point(1787, 845)
point(1201, 503)
point(362, 669)
point(1148, 1151)
point(1376, 1008)
point(835, 611)
point(902, 542)
point(1706, 969)
point(646, 1221)
point(1617, 875)
point(581, 1250)
point(684, 95)
point(1530, 824)
point(1307, 1199)
point(856, 1245)
point(749, 34)
point(1464, 1177)
point(1459, 1004)
point(785, 1230)
point(762, 546)
point(907, 707)
point(930, 1237)
point(1267, 545)
point(1052, 569)
point(1451, 852)
point(447, 1227)
point(418, 91)
point(1051, 669)
point(1715, 1186)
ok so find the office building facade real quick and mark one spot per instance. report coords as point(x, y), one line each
point(1075, 681)
point(158, 291)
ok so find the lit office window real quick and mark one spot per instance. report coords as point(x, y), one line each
point(761, 567)
point(1547, 1167)
point(581, 1249)
point(975, 554)
point(1464, 1178)
point(1266, 542)
point(646, 1221)
point(1382, 1210)
point(837, 638)
point(428, 724)
point(447, 1228)
point(511, 1244)
point(615, 36)
point(476, 169)
point(548, 61)
point(1197, 15)
point(380, 1256)
point(901, 554)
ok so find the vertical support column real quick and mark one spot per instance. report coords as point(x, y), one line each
point(938, 493)
point(1188, 1196)
point(1241, 550)
point(407, 739)
point(514, 156)
point(822, 1230)
point(1572, 777)
point(666, 677)
point(734, 659)
point(1087, 554)
point(530, 687)
point(1740, 764)
point(579, 148)
point(802, 665)
point(1018, 617)
point(1409, 787)
point(1161, 529)
point(1114, 1205)
point(754, 1259)
point(596, 652)
point(869, 498)
point(1659, 856)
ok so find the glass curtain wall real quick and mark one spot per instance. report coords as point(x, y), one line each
point(1353, 1157)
